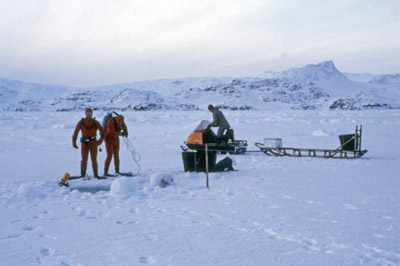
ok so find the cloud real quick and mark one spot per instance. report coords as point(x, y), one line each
point(91, 42)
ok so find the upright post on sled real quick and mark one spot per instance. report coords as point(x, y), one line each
point(359, 144)
point(356, 139)
point(207, 164)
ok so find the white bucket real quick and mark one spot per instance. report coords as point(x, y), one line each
point(272, 143)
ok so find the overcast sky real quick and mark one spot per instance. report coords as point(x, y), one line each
point(88, 42)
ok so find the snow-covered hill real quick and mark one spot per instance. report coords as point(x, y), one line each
point(386, 79)
point(319, 86)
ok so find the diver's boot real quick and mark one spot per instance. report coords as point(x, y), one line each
point(96, 175)
point(117, 170)
point(107, 174)
point(83, 173)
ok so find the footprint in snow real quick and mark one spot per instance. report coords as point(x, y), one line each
point(311, 202)
point(124, 223)
point(145, 260)
point(14, 235)
point(82, 213)
point(133, 210)
point(350, 206)
point(288, 197)
point(310, 244)
point(379, 236)
point(45, 251)
point(27, 228)
point(274, 207)
point(151, 238)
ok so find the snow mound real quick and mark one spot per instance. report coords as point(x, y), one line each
point(161, 180)
point(124, 186)
point(29, 191)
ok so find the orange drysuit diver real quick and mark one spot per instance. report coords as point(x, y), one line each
point(89, 127)
point(113, 130)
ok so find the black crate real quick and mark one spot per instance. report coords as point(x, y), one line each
point(196, 161)
point(349, 145)
point(188, 159)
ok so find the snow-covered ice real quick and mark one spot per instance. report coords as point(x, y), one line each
point(123, 186)
point(161, 180)
point(273, 211)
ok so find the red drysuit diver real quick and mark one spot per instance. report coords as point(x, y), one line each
point(113, 130)
point(89, 127)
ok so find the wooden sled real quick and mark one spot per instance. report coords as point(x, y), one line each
point(350, 148)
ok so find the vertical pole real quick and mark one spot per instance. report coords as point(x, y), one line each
point(207, 164)
point(355, 140)
point(359, 146)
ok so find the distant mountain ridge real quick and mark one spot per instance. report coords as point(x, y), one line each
point(314, 86)
point(322, 71)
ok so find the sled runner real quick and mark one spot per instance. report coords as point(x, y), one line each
point(203, 135)
point(350, 148)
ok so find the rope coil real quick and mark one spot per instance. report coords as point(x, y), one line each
point(135, 155)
